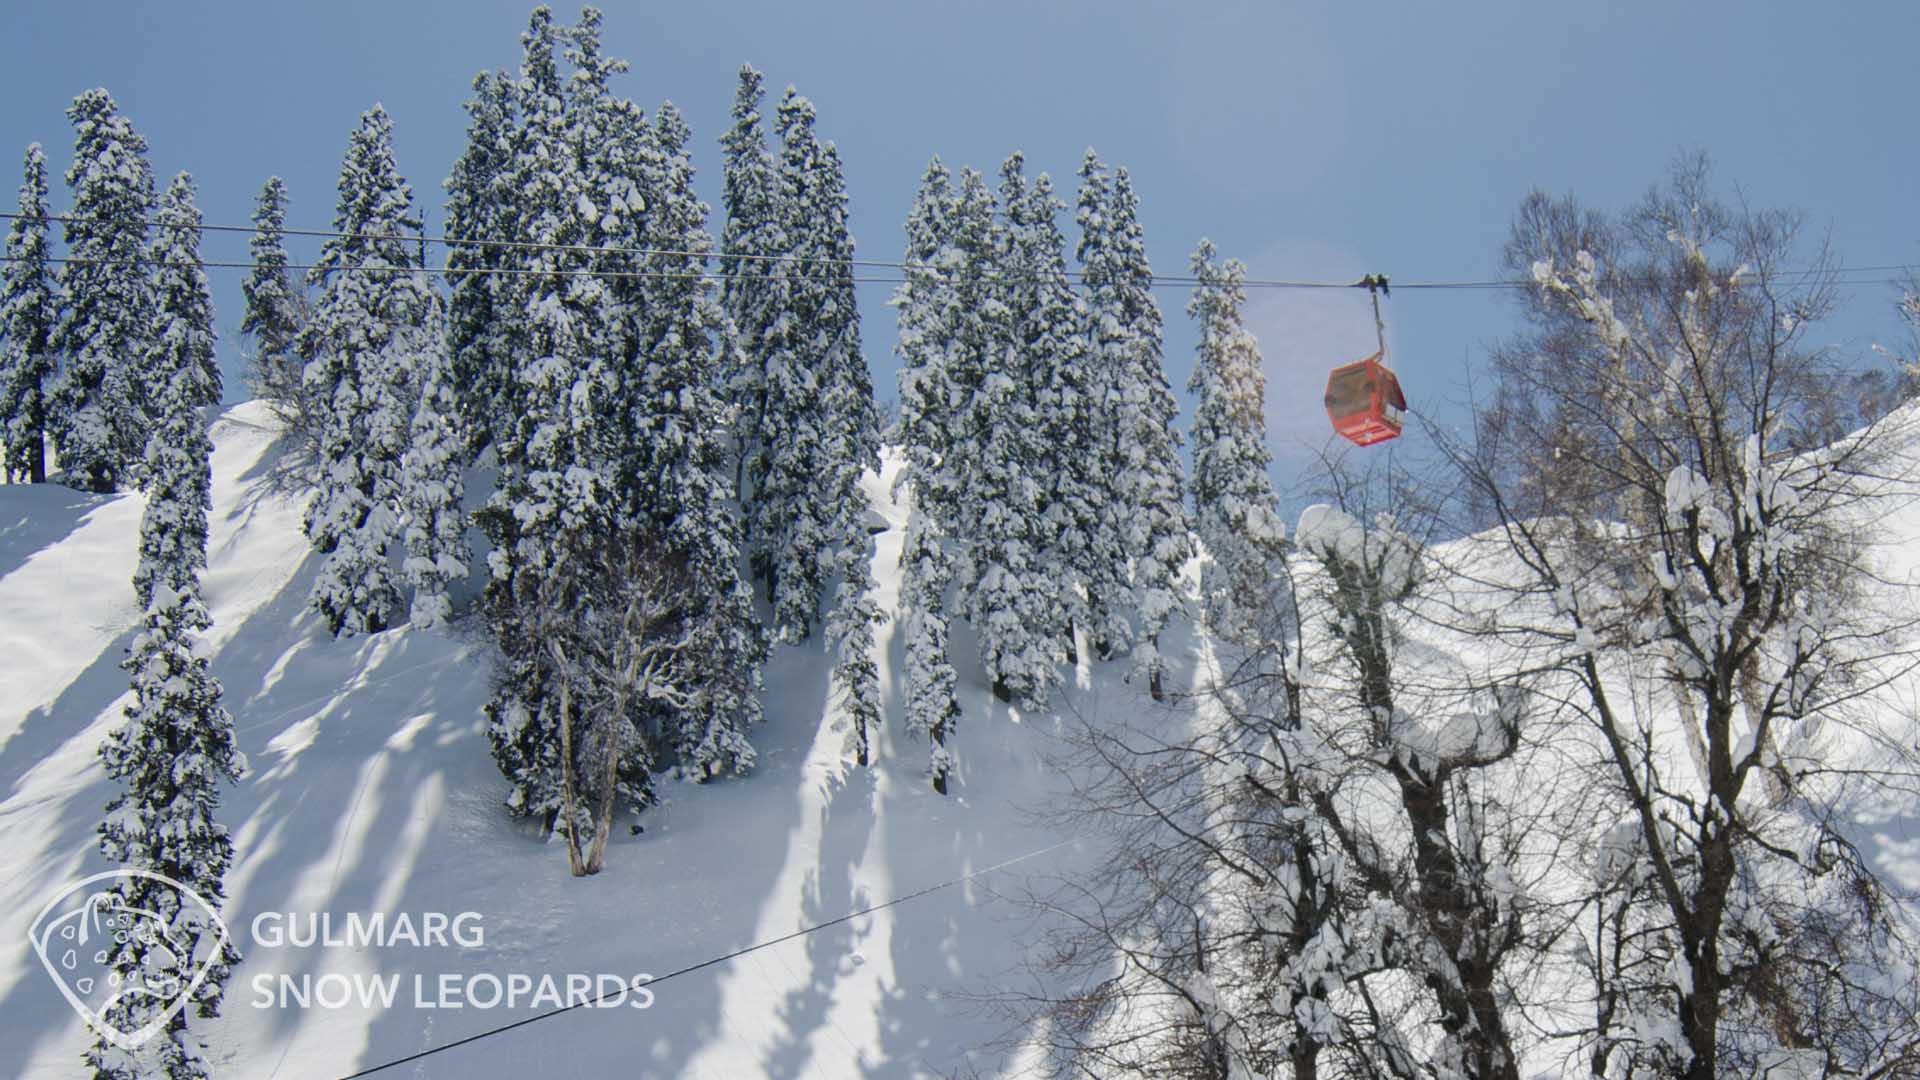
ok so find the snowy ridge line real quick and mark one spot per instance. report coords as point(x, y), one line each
point(734, 955)
point(1841, 274)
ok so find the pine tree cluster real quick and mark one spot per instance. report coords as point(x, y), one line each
point(608, 400)
point(799, 392)
point(1048, 491)
point(652, 447)
point(593, 374)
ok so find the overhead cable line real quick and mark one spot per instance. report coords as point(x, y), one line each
point(511, 245)
point(609, 250)
point(383, 268)
point(1845, 278)
point(626, 988)
point(1849, 275)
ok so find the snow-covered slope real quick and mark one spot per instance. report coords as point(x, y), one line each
point(371, 790)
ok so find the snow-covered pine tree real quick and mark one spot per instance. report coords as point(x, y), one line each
point(1233, 500)
point(971, 329)
point(620, 439)
point(620, 158)
point(550, 479)
point(479, 223)
point(276, 310)
point(850, 625)
point(29, 311)
point(933, 706)
point(551, 486)
point(807, 386)
point(926, 389)
point(97, 413)
point(926, 429)
point(1048, 321)
point(180, 360)
point(849, 383)
point(1103, 557)
point(783, 520)
point(675, 477)
point(375, 303)
point(1125, 336)
point(1011, 601)
point(183, 301)
point(170, 758)
point(172, 755)
point(751, 247)
point(850, 448)
point(433, 483)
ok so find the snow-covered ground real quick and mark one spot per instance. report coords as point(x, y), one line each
point(371, 790)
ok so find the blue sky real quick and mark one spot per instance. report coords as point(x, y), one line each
point(1312, 141)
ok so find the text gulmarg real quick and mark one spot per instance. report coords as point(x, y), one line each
point(376, 930)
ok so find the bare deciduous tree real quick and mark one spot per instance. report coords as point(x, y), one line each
point(1315, 875)
point(613, 622)
point(1687, 512)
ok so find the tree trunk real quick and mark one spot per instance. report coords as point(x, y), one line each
point(938, 737)
point(1700, 1010)
point(1305, 1059)
point(1153, 681)
point(568, 821)
point(609, 786)
point(1700, 926)
point(1468, 1008)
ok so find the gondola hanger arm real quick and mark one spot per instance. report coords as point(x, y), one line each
point(1376, 286)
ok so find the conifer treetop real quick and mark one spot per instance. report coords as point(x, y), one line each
point(97, 416)
point(29, 310)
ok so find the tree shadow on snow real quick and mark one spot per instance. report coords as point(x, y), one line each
point(846, 824)
point(35, 517)
point(671, 897)
point(33, 1005)
point(351, 777)
point(45, 729)
point(945, 943)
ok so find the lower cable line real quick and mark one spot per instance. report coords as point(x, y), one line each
point(691, 968)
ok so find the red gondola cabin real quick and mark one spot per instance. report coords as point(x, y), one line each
point(1364, 401)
